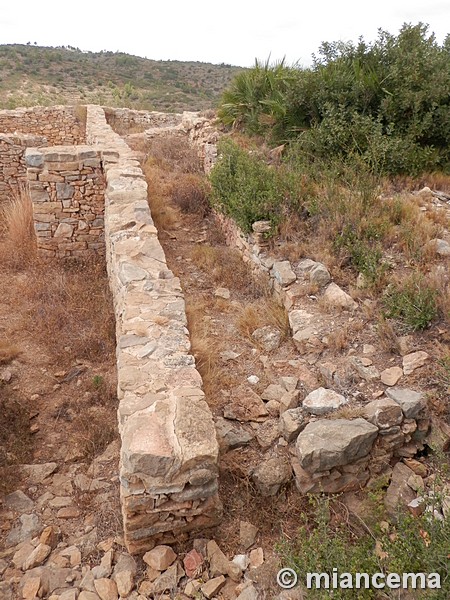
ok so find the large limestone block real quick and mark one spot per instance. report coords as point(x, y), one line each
point(326, 444)
point(411, 402)
point(384, 413)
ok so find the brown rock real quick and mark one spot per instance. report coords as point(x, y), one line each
point(69, 512)
point(211, 587)
point(106, 589)
point(219, 563)
point(31, 588)
point(391, 376)
point(247, 534)
point(37, 557)
point(160, 558)
point(256, 558)
point(245, 405)
point(416, 466)
point(413, 361)
point(50, 536)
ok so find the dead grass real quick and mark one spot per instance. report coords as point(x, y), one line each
point(227, 269)
point(339, 339)
point(165, 216)
point(190, 194)
point(387, 336)
point(206, 348)
point(15, 438)
point(260, 313)
point(8, 352)
point(18, 245)
point(70, 309)
point(174, 153)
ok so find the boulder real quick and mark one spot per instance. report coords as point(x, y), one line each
point(322, 401)
point(335, 297)
point(326, 444)
point(384, 413)
point(283, 273)
point(271, 474)
point(412, 403)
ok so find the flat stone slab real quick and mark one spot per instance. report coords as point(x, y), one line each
point(326, 444)
point(322, 401)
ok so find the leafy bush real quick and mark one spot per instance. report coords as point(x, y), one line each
point(387, 102)
point(413, 302)
point(244, 187)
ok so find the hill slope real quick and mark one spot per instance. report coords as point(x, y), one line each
point(31, 75)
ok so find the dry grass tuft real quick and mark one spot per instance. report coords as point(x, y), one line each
point(72, 311)
point(227, 269)
point(260, 313)
point(190, 194)
point(174, 153)
point(387, 336)
point(18, 246)
point(8, 352)
point(165, 216)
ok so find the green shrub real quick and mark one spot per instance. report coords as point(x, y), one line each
point(412, 545)
point(244, 187)
point(413, 302)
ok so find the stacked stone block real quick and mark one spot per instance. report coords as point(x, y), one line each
point(13, 170)
point(168, 464)
point(66, 185)
point(58, 124)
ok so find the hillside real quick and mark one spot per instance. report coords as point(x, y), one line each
point(31, 75)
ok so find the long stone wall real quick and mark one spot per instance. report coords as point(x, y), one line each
point(58, 124)
point(66, 185)
point(13, 170)
point(168, 467)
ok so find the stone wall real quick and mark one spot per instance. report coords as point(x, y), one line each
point(128, 118)
point(67, 188)
point(168, 466)
point(13, 169)
point(58, 124)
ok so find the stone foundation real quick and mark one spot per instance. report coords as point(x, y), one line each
point(168, 467)
point(67, 188)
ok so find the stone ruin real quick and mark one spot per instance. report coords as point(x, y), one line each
point(89, 195)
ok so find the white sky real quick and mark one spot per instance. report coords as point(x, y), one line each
point(229, 31)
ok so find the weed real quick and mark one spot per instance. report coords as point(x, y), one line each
point(413, 302)
point(18, 248)
point(189, 193)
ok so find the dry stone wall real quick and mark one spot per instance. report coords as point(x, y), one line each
point(13, 170)
point(67, 188)
point(168, 467)
point(58, 124)
point(128, 118)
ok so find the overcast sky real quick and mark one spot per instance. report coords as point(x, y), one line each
point(228, 31)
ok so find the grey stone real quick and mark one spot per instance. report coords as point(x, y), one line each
point(268, 337)
point(320, 275)
point(19, 502)
point(247, 534)
point(292, 421)
point(322, 401)
point(412, 403)
point(335, 297)
point(64, 191)
point(399, 493)
point(273, 392)
point(283, 273)
point(231, 434)
point(249, 593)
point(326, 444)
point(29, 526)
point(271, 474)
point(267, 433)
point(33, 158)
point(37, 473)
point(245, 405)
point(367, 372)
point(384, 413)
point(441, 247)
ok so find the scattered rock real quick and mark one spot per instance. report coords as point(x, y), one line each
point(106, 589)
point(256, 558)
point(413, 361)
point(231, 434)
point(86, 595)
point(69, 512)
point(247, 534)
point(245, 405)
point(167, 581)
point(222, 293)
point(416, 466)
point(37, 557)
point(37, 473)
point(322, 401)
point(29, 527)
point(271, 474)
point(192, 563)
point(253, 379)
point(268, 337)
point(283, 273)
point(335, 297)
point(320, 275)
point(399, 493)
point(249, 593)
point(211, 587)
point(104, 569)
point(50, 536)
point(441, 247)
point(273, 392)
point(19, 502)
point(219, 563)
point(160, 558)
point(124, 572)
point(31, 588)
point(267, 433)
point(391, 376)
point(367, 372)
point(192, 588)
point(411, 402)
point(292, 421)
